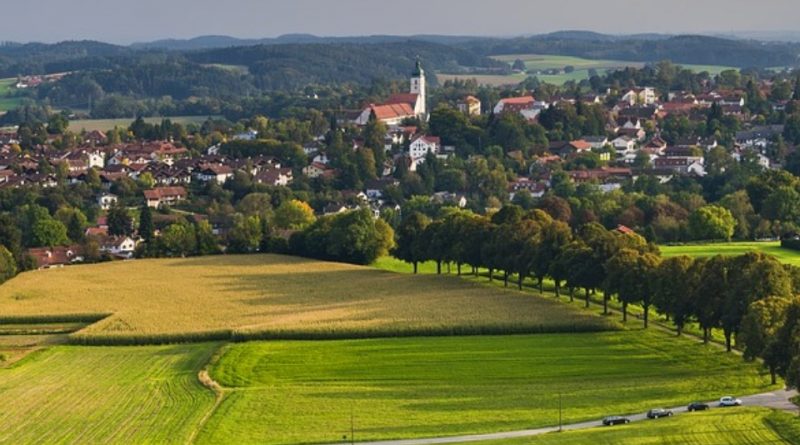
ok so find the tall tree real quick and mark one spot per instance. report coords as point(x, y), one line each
point(408, 235)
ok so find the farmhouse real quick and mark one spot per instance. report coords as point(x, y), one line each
point(47, 257)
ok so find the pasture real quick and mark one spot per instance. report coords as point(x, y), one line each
point(273, 296)
point(741, 426)
point(773, 248)
point(536, 63)
point(109, 124)
point(130, 395)
point(6, 88)
point(304, 392)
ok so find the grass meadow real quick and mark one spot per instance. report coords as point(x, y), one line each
point(741, 426)
point(132, 395)
point(286, 392)
point(109, 124)
point(540, 62)
point(6, 102)
point(735, 248)
point(272, 296)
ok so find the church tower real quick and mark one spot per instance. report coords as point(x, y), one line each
point(418, 87)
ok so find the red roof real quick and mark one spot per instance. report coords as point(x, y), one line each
point(524, 100)
point(164, 192)
point(392, 111)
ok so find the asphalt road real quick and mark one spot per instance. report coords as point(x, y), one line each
point(778, 399)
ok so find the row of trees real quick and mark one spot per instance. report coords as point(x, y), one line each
point(735, 294)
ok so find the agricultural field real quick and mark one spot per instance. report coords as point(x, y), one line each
point(109, 124)
point(273, 296)
point(68, 394)
point(6, 87)
point(736, 248)
point(286, 392)
point(540, 62)
point(741, 426)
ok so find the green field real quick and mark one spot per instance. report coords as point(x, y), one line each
point(304, 392)
point(741, 426)
point(109, 124)
point(130, 395)
point(736, 248)
point(273, 296)
point(540, 62)
point(6, 87)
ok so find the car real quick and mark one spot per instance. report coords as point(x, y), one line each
point(615, 420)
point(730, 401)
point(697, 406)
point(657, 413)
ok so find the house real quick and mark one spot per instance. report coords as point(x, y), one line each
point(759, 136)
point(214, 172)
point(643, 96)
point(525, 105)
point(315, 170)
point(470, 105)
point(334, 209)
point(449, 198)
point(118, 246)
point(164, 196)
point(597, 142)
point(275, 177)
point(683, 164)
point(624, 144)
point(565, 149)
point(47, 257)
point(106, 200)
point(422, 145)
point(249, 135)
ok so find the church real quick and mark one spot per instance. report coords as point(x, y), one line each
point(400, 106)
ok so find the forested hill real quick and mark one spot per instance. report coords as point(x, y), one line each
point(293, 65)
point(690, 49)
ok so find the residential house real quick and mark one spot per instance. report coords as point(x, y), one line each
point(422, 145)
point(470, 105)
point(106, 200)
point(214, 172)
point(47, 257)
point(164, 196)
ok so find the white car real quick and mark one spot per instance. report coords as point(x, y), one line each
point(729, 401)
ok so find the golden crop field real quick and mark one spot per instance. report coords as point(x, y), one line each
point(273, 296)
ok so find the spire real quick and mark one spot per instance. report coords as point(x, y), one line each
point(417, 68)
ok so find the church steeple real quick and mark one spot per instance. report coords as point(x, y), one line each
point(418, 87)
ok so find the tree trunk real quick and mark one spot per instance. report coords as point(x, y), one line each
point(646, 314)
point(505, 278)
point(491, 275)
point(519, 281)
point(415, 267)
point(705, 336)
point(438, 267)
point(541, 285)
point(458, 267)
point(587, 297)
point(624, 311)
point(772, 374)
point(727, 339)
point(571, 295)
point(558, 288)
point(679, 328)
point(605, 304)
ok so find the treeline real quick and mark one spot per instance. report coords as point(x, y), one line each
point(740, 295)
point(694, 49)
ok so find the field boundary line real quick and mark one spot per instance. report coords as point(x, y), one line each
point(205, 379)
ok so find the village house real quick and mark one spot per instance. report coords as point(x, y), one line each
point(164, 196)
point(525, 105)
point(118, 246)
point(422, 145)
point(47, 257)
point(316, 169)
point(106, 200)
point(214, 172)
point(470, 105)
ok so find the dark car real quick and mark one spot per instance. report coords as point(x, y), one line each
point(697, 406)
point(615, 420)
point(658, 413)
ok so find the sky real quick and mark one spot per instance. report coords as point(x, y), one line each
point(128, 21)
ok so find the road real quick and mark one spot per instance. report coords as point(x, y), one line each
point(778, 399)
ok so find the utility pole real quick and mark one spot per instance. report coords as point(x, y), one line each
point(559, 412)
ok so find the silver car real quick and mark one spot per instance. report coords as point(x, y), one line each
point(730, 401)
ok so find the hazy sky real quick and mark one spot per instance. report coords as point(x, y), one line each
point(126, 21)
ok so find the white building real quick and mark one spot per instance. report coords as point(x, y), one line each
point(422, 145)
